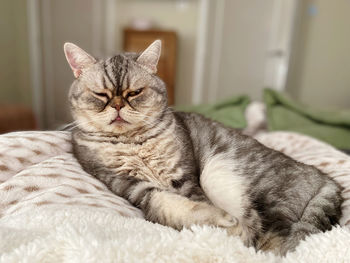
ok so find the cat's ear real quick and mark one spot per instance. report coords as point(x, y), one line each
point(77, 58)
point(149, 58)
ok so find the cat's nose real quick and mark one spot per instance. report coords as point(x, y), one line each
point(119, 106)
point(117, 103)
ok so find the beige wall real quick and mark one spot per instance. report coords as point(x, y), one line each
point(168, 15)
point(320, 72)
point(14, 62)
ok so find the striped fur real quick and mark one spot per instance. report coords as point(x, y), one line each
point(182, 169)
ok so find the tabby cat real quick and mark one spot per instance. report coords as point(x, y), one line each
point(182, 168)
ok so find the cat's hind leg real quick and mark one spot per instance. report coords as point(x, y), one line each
point(320, 213)
point(317, 212)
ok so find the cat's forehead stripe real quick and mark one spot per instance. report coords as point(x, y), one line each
point(117, 69)
point(125, 70)
point(107, 75)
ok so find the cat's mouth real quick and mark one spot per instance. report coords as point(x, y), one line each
point(118, 120)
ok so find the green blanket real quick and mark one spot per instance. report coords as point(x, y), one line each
point(229, 112)
point(332, 127)
point(283, 114)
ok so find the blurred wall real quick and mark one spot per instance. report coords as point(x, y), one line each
point(320, 69)
point(168, 15)
point(14, 62)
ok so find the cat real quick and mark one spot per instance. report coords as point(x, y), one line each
point(182, 168)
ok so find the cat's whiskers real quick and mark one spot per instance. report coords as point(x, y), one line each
point(148, 122)
point(171, 112)
point(151, 123)
point(80, 124)
point(178, 126)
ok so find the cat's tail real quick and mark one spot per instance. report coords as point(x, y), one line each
point(299, 231)
point(280, 243)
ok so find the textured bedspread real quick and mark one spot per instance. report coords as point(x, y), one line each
point(52, 211)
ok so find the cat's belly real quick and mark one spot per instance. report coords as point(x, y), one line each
point(157, 163)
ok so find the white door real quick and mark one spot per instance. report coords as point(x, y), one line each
point(247, 47)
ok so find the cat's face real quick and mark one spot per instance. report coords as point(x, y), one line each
point(118, 95)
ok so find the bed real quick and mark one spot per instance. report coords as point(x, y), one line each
point(53, 211)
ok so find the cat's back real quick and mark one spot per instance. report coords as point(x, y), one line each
point(210, 137)
point(253, 159)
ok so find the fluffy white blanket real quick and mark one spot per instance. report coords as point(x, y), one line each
point(52, 211)
point(99, 235)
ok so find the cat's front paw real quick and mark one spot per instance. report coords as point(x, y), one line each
point(210, 215)
point(226, 220)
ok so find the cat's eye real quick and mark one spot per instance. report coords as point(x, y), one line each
point(135, 92)
point(102, 94)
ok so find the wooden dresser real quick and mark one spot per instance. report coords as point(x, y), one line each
point(14, 117)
